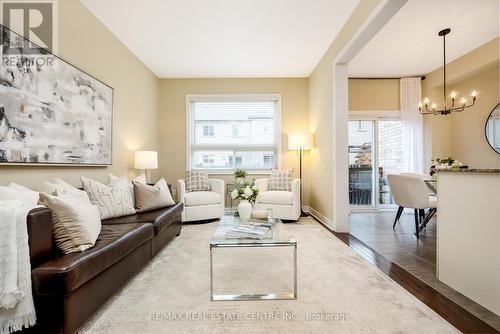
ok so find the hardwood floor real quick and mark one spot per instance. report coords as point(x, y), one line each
point(412, 264)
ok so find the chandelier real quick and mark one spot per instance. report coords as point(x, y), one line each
point(426, 108)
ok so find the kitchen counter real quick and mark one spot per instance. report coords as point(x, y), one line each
point(468, 234)
point(471, 170)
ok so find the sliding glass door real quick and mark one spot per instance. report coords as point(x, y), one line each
point(361, 158)
point(375, 150)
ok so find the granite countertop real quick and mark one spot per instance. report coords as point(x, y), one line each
point(471, 170)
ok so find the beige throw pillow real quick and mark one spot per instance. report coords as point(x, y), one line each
point(113, 199)
point(152, 197)
point(76, 225)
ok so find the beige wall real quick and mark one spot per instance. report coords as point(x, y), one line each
point(172, 124)
point(86, 43)
point(320, 170)
point(374, 95)
point(461, 135)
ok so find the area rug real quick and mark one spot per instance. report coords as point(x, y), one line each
point(338, 291)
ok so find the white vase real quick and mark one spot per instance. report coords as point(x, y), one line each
point(245, 210)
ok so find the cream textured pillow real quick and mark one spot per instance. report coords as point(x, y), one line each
point(63, 189)
point(113, 199)
point(152, 197)
point(76, 225)
point(16, 192)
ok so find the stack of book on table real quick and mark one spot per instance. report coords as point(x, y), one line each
point(247, 231)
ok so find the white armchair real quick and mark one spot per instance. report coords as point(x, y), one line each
point(285, 204)
point(410, 191)
point(202, 205)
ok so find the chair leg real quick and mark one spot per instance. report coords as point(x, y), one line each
point(417, 219)
point(398, 215)
point(429, 216)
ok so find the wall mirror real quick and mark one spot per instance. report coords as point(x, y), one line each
point(492, 129)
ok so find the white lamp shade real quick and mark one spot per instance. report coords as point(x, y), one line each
point(297, 140)
point(146, 160)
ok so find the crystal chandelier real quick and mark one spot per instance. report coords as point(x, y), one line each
point(426, 108)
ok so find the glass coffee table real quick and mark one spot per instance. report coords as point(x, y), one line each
point(278, 236)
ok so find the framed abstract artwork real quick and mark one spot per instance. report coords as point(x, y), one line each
point(51, 112)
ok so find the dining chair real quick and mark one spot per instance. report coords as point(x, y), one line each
point(409, 191)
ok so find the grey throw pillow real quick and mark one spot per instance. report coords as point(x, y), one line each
point(152, 197)
point(281, 180)
point(197, 181)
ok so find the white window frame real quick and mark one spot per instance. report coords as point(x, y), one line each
point(233, 97)
point(374, 116)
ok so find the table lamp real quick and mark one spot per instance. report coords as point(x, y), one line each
point(146, 160)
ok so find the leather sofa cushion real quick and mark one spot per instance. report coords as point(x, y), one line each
point(196, 198)
point(276, 197)
point(160, 218)
point(66, 273)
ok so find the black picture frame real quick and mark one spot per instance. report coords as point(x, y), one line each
point(486, 127)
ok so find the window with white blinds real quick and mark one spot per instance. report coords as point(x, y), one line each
point(227, 132)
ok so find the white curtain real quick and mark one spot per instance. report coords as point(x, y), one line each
point(413, 129)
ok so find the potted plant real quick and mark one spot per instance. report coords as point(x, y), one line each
point(442, 164)
point(240, 175)
point(247, 193)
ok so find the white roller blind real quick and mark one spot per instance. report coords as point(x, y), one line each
point(230, 132)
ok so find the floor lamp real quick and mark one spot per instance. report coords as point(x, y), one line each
point(300, 142)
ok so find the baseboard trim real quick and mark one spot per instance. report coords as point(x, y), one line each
point(318, 216)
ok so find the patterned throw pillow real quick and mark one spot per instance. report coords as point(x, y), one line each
point(281, 180)
point(113, 200)
point(197, 181)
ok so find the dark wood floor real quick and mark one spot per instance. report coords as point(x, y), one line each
point(412, 264)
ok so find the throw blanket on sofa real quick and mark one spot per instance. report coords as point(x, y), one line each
point(16, 301)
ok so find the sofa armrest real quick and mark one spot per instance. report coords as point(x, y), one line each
point(40, 240)
point(181, 190)
point(262, 184)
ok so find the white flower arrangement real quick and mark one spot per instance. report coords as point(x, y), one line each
point(246, 191)
point(443, 164)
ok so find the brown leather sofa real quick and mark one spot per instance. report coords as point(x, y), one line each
point(69, 289)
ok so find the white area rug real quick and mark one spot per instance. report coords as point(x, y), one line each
point(338, 292)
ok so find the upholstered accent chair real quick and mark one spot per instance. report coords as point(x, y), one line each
point(202, 205)
point(285, 204)
point(410, 191)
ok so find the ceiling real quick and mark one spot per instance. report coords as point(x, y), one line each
point(409, 45)
point(225, 38)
